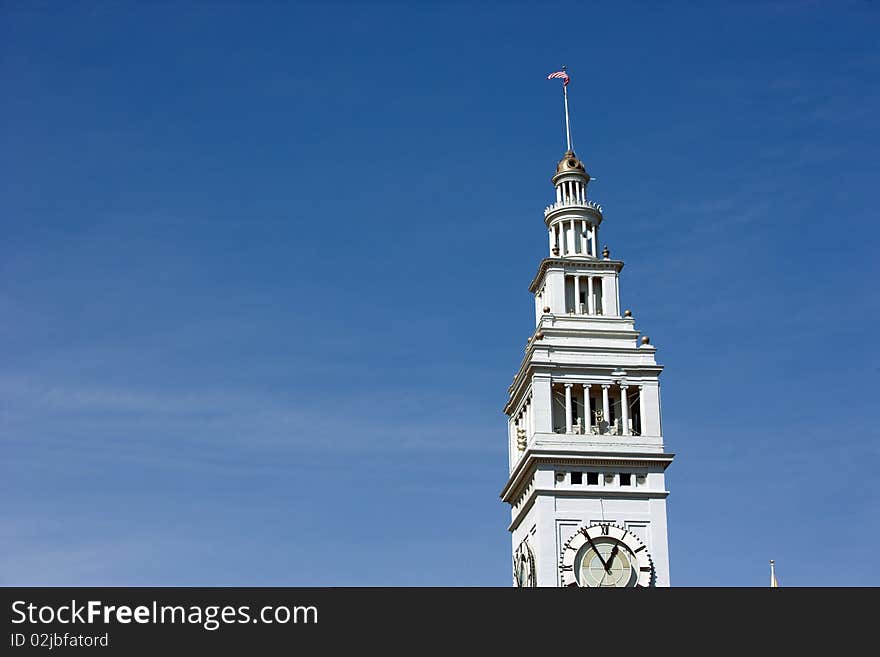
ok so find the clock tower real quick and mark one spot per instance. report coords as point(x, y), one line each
point(586, 489)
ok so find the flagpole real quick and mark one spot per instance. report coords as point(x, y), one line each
point(564, 76)
point(567, 124)
point(773, 582)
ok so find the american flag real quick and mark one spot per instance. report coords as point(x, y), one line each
point(559, 74)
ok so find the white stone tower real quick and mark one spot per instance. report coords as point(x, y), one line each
point(586, 488)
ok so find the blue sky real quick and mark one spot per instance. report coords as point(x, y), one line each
point(264, 269)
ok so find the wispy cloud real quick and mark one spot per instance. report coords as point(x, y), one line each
point(67, 415)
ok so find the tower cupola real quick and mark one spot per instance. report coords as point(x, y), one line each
point(573, 220)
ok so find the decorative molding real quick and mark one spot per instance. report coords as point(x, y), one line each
point(570, 203)
point(593, 263)
point(528, 465)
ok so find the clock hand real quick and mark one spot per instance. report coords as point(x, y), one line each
point(611, 556)
point(596, 550)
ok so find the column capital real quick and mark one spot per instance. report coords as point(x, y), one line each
point(568, 385)
point(606, 385)
point(624, 386)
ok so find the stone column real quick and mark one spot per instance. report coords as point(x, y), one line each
point(591, 302)
point(606, 407)
point(568, 421)
point(577, 294)
point(624, 412)
point(587, 415)
point(643, 424)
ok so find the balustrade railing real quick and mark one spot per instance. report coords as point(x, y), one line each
point(570, 201)
point(602, 429)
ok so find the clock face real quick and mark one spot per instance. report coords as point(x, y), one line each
point(524, 566)
point(605, 555)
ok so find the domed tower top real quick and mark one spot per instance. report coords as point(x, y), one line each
point(570, 162)
point(570, 167)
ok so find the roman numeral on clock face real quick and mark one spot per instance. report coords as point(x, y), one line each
point(645, 569)
point(568, 568)
point(639, 549)
point(605, 530)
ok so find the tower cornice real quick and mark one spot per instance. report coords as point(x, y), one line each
point(525, 469)
point(594, 264)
